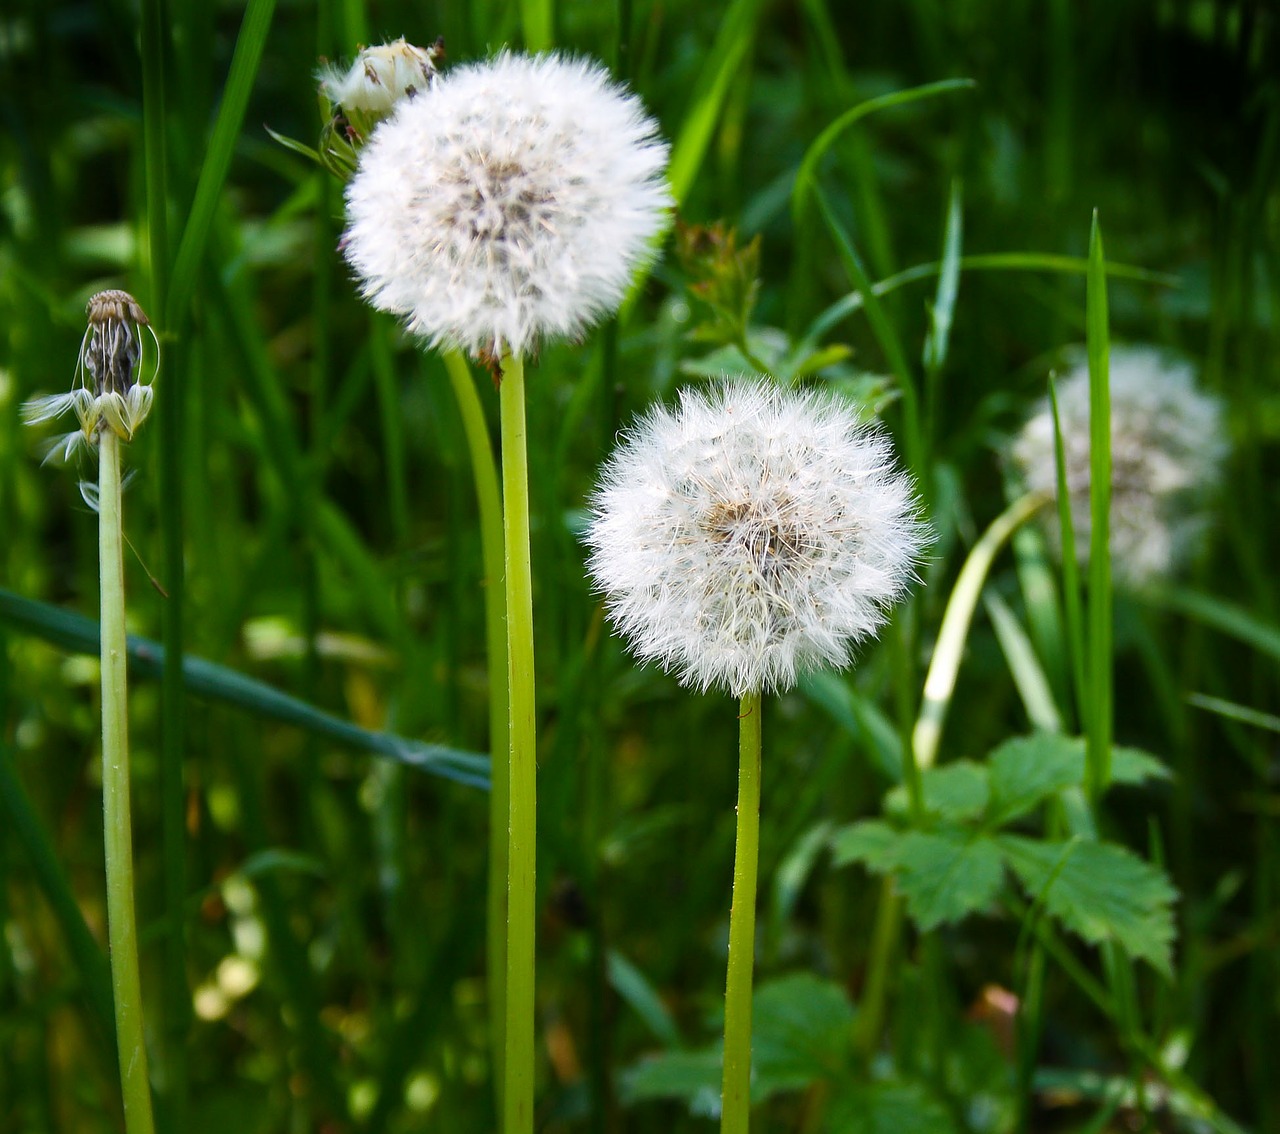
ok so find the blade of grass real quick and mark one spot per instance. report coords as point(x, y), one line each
point(91, 962)
point(1071, 598)
point(1100, 631)
point(942, 313)
point(175, 1000)
point(886, 335)
point(213, 172)
point(78, 633)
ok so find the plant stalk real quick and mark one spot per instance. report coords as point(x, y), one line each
point(489, 500)
point(517, 1094)
point(735, 1115)
point(122, 931)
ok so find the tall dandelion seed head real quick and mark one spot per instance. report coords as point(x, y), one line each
point(112, 384)
point(509, 203)
point(1167, 451)
point(751, 534)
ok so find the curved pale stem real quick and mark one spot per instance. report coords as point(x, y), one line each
point(122, 929)
point(517, 1095)
point(735, 1112)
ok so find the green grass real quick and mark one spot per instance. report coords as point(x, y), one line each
point(312, 900)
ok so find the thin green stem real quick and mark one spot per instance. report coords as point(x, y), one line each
point(484, 472)
point(517, 1094)
point(875, 989)
point(122, 930)
point(735, 1112)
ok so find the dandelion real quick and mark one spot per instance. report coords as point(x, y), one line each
point(381, 76)
point(750, 535)
point(111, 398)
point(510, 202)
point(110, 390)
point(1167, 450)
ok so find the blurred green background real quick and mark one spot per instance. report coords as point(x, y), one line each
point(306, 465)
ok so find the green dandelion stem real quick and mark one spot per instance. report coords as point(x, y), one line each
point(489, 498)
point(517, 1094)
point(735, 1112)
point(122, 931)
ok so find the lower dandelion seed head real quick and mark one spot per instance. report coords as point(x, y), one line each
point(509, 203)
point(1167, 451)
point(752, 534)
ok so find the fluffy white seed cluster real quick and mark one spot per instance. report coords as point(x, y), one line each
point(508, 203)
point(111, 389)
point(380, 76)
point(1167, 450)
point(752, 534)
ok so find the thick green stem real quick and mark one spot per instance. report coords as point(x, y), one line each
point(517, 1094)
point(122, 929)
point(485, 474)
point(735, 1113)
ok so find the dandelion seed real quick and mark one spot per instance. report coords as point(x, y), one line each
point(752, 534)
point(110, 390)
point(510, 202)
point(1167, 451)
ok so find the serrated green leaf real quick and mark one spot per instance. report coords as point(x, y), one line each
point(954, 792)
point(801, 1031)
point(1101, 891)
point(886, 1108)
point(685, 1075)
point(871, 841)
point(943, 876)
point(1027, 770)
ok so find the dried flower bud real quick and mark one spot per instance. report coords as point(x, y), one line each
point(110, 389)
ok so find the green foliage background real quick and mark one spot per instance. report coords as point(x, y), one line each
point(306, 468)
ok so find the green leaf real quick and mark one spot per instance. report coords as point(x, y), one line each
point(886, 1108)
point(801, 1032)
point(1027, 770)
point(943, 876)
point(1134, 766)
point(953, 792)
point(871, 842)
point(691, 1076)
point(1100, 891)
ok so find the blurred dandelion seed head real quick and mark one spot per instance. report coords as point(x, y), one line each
point(381, 76)
point(510, 202)
point(1167, 451)
point(111, 389)
point(751, 534)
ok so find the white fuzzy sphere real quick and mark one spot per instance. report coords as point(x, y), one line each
point(1167, 450)
point(509, 202)
point(752, 534)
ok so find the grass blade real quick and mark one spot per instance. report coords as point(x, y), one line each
point(75, 632)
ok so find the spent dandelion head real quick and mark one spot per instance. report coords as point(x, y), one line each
point(112, 388)
point(751, 534)
point(1167, 451)
point(509, 203)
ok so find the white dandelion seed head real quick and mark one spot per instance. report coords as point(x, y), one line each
point(751, 534)
point(1167, 451)
point(509, 203)
point(112, 388)
point(380, 76)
